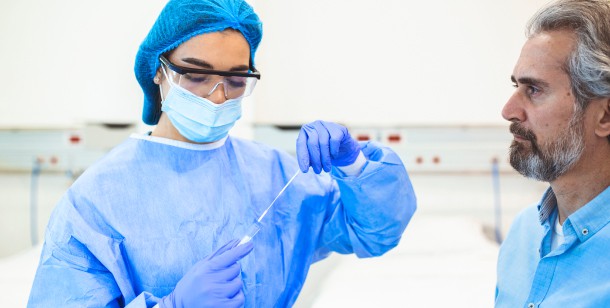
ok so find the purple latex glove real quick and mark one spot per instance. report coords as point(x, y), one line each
point(324, 144)
point(212, 282)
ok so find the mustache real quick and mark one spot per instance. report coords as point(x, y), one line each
point(517, 129)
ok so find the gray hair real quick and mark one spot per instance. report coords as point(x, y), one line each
point(589, 64)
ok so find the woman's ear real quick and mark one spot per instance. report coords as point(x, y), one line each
point(158, 77)
point(602, 128)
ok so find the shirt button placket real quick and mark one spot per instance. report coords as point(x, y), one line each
point(531, 305)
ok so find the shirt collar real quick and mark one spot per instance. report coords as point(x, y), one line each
point(547, 205)
point(587, 220)
point(592, 217)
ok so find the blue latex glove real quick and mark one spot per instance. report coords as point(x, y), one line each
point(324, 144)
point(212, 282)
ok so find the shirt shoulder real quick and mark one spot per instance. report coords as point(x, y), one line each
point(525, 231)
point(527, 217)
point(518, 257)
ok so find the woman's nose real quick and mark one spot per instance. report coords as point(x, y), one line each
point(217, 94)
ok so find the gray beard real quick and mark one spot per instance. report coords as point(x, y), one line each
point(546, 162)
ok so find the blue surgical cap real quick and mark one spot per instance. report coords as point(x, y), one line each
point(179, 21)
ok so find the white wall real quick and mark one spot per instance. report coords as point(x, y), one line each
point(65, 62)
point(392, 62)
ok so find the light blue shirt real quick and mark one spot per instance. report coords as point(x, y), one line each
point(575, 274)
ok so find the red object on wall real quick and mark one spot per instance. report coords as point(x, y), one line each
point(363, 138)
point(394, 138)
point(74, 139)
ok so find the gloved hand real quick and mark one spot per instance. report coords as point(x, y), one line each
point(324, 144)
point(212, 282)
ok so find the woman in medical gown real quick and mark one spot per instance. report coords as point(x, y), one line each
point(155, 220)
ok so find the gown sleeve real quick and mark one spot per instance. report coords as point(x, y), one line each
point(369, 212)
point(81, 267)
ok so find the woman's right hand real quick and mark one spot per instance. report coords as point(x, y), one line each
point(212, 282)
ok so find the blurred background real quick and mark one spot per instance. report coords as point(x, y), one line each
point(427, 78)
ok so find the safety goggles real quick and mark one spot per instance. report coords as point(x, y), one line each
point(203, 82)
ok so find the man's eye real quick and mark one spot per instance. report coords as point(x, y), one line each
point(531, 90)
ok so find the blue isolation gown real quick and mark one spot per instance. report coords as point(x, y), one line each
point(136, 221)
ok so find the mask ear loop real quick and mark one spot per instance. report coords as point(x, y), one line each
point(162, 96)
point(161, 86)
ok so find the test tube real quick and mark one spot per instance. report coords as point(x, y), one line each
point(252, 230)
point(254, 227)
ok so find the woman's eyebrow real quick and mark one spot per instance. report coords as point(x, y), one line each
point(198, 62)
point(204, 64)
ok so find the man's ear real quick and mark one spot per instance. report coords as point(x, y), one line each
point(602, 128)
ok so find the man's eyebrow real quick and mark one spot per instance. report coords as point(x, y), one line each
point(204, 64)
point(530, 81)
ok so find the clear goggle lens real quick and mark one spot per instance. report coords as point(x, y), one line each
point(205, 84)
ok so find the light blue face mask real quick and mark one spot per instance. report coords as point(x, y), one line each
point(199, 119)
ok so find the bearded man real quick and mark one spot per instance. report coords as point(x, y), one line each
point(557, 252)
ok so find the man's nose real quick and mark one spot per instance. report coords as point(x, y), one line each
point(513, 108)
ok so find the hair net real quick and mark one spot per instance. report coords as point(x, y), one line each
point(179, 21)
